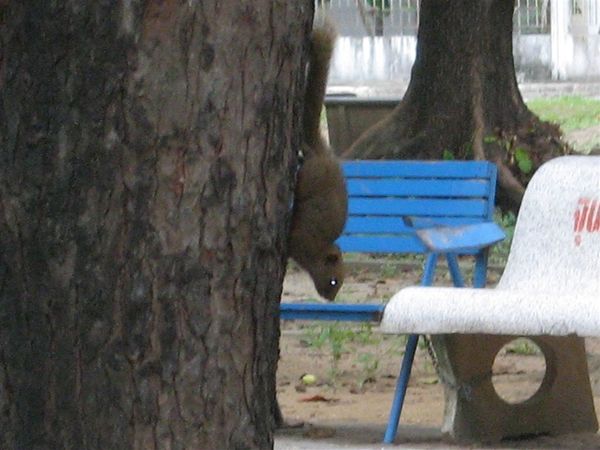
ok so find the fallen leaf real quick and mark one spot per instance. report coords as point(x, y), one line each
point(317, 398)
point(319, 433)
point(356, 390)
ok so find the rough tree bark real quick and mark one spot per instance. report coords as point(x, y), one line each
point(463, 99)
point(146, 153)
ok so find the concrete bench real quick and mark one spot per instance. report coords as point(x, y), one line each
point(437, 208)
point(550, 288)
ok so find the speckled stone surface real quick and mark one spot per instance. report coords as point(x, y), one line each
point(551, 283)
point(549, 291)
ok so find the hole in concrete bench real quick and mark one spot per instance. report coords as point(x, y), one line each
point(518, 371)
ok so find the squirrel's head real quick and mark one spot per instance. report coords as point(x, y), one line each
point(328, 275)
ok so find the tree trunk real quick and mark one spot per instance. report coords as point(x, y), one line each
point(146, 155)
point(463, 100)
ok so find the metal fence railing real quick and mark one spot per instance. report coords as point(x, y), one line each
point(585, 16)
point(532, 17)
point(372, 17)
point(401, 17)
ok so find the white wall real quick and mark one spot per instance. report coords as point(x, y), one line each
point(538, 57)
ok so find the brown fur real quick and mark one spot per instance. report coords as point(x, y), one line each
point(320, 201)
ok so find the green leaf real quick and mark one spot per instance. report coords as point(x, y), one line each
point(430, 380)
point(526, 166)
point(523, 160)
point(447, 155)
point(489, 139)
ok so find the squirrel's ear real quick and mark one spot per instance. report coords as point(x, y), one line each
point(332, 258)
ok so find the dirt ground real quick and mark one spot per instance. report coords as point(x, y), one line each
point(355, 368)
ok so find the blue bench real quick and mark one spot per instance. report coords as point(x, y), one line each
point(436, 208)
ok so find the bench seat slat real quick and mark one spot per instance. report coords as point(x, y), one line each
point(331, 311)
point(428, 310)
point(381, 244)
point(387, 244)
point(457, 239)
point(422, 188)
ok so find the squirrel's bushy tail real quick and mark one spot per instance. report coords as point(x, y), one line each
point(322, 43)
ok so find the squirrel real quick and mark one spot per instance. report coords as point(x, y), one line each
point(320, 199)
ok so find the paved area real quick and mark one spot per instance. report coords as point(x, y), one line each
point(368, 437)
point(359, 437)
point(297, 444)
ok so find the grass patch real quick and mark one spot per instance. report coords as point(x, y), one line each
point(570, 112)
point(522, 346)
point(360, 343)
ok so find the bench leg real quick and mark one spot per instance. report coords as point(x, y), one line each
point(409, 356)
point(429, 270)
point(474, 411)
point(480, 272)
point(401, 385)
point(454, 270)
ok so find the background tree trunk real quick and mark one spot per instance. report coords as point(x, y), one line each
point(146, 157)
point(463, 100)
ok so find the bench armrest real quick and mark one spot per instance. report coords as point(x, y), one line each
point(447, 239)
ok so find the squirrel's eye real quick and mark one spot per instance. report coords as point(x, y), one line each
point(333, 282)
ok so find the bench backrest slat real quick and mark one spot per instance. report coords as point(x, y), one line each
point(408, 243)
point(382, 193)
point(423, 207)
point(417, 186)
point(418, 169)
